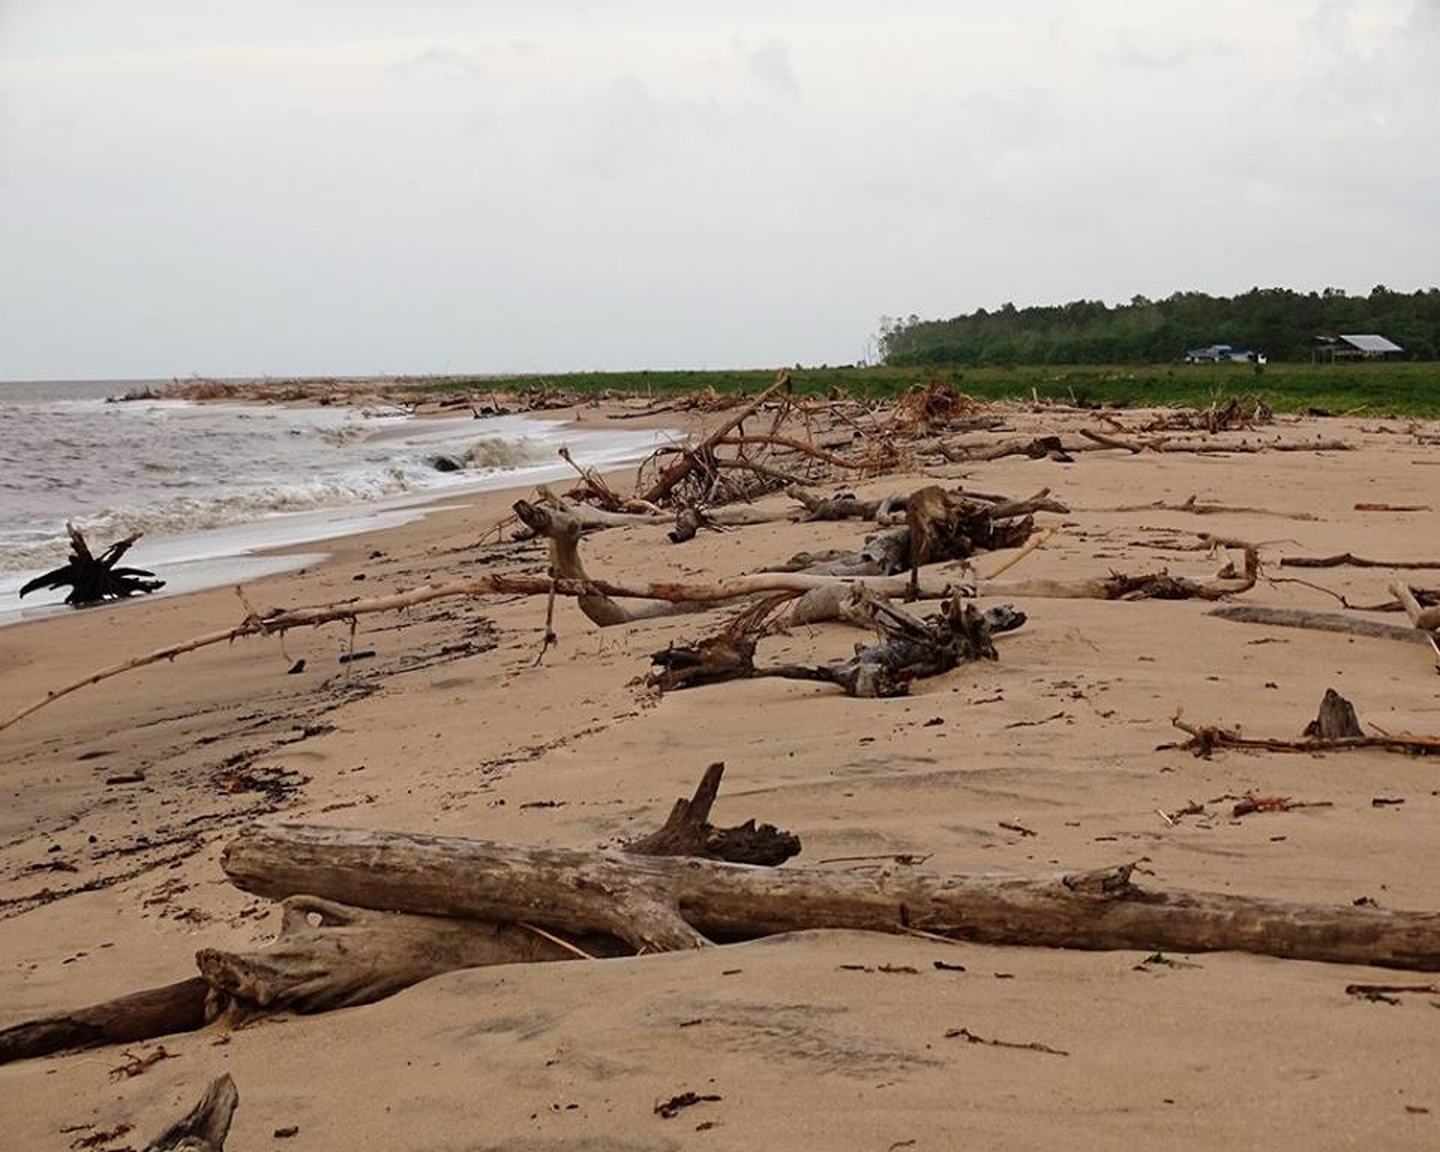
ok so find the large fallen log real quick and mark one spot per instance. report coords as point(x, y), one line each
point(329, 955)
point(664, 903)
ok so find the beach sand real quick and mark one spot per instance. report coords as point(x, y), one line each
point(452, 728)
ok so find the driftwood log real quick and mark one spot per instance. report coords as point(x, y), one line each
point(669, 903)
point(1423, 618)
point(205, 1127)
point(1335, 728)
point(1350, 560)
point(330, 955)
point(909, 649)
point(1318, 622)
point(179, 1007)
point(95, 579)
point(937, 525)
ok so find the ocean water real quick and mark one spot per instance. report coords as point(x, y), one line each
point(211, 484)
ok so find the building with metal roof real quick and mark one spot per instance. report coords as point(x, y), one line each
point(1356, 346)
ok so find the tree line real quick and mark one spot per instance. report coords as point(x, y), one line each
point(1278, 322)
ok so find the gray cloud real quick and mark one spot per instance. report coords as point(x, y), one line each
point(356, 187)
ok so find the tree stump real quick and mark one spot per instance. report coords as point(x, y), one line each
point(204, 1127)
point(688, 832)
point(1335, 719)
point(93, 580)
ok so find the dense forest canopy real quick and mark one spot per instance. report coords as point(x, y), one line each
point(1276, 321)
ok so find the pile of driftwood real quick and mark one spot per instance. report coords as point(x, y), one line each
point(762, 444)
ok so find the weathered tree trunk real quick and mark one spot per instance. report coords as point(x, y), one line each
point(176, 1007)
point(562, 529)
point(329, 955)
point(677, 903)
point(910, 649)
point(938, 526)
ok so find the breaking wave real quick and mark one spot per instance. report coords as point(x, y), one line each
point(171, 467)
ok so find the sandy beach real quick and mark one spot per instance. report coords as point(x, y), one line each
point(119, 799)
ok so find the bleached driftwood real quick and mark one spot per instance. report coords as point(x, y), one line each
point(669, 903)
point(1318, 622)
point(1426, 619)
point(329, 955)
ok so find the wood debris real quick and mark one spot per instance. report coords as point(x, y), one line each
point(1032, 1046)
point(95, 579)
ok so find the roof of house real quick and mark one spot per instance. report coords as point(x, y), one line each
point(1369, 342)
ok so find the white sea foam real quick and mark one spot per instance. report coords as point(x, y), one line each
point(208, 481)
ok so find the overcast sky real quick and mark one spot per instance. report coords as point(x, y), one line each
point(351, 186)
